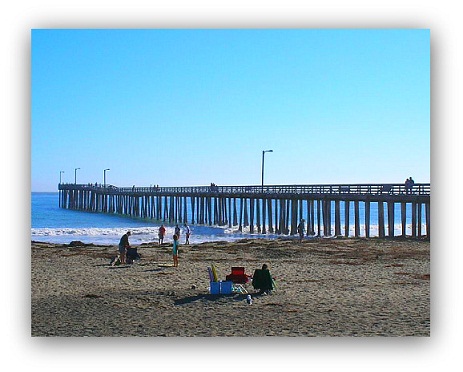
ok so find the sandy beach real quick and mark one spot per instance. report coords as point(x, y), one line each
point(325, 287)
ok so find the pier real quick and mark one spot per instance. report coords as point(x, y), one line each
point(328, 210)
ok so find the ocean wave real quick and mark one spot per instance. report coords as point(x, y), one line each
point(200, 234)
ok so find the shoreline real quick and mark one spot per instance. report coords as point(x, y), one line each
point(325, 287)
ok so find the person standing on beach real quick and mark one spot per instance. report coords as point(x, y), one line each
point(161, 234)
point(300, 229)
point(124, 245)
point(175, 250)
point(187, 234)
point(177, 231)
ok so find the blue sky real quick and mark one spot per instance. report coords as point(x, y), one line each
point(190, 107)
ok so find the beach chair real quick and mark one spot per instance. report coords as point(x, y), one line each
point(237, 275)
point(262, 280)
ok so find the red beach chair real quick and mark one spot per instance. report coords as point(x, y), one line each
point(237, 275)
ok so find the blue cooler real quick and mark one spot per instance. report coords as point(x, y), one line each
point(214, 288)
point(226, 287)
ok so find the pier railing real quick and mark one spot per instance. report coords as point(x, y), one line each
point(418, 189)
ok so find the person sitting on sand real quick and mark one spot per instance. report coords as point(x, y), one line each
point(124, 245)
point(161, 234)
point(262, 280)
point(175, 250)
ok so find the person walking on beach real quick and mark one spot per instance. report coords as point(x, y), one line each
point(161, 234)
point(187, 234)
point(175, 250)
point(301, 229)
point(177, 231)
point(124, 245)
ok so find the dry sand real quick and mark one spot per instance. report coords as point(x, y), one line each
point(325, 287)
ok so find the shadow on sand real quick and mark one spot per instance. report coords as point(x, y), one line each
point(212, 297)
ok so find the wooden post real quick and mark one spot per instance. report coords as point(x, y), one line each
point(419, 219)
point(381, 219)
point(390, 218)
point(414, 219)
point(229, 212)
point(403, 215)
point(245, 210)
point(251, 215)
point(367, 218)
point(277, 221)
point(264, 216)
point(337, 218)
point(357, 218)
point(240, 228)
point(270, 222)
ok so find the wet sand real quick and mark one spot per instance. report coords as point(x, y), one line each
point(325, 287)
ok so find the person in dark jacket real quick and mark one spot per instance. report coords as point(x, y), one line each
point(123, 246)
point(262, 280)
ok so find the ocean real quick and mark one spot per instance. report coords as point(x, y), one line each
point(52, 224)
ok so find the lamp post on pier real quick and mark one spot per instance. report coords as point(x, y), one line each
point(104, 176)
point(75, 175)
point(60, 173)
point(263, 157)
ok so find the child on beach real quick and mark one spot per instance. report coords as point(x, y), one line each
point(175, 250)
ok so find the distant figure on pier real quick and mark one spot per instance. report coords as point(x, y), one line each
point(214, 187)
point(177, 231)
point(175, 250)
point(409, 183)
point(301, 229)
point(187, 234)
point(161, 234)
point(124, 245)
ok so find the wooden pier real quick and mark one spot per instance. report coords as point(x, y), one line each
point(275, 209)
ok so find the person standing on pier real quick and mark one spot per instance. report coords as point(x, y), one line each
point(187, 234)
point(161, 234)
point(409, 183)
point(124, 245)
point(175, 250)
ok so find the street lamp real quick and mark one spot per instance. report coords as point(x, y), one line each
point(75, 175)
point(104, 176)
point(60, 173)
point(263, 156)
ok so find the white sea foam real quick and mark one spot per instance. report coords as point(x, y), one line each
point(139, 235)
point(200, 234)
